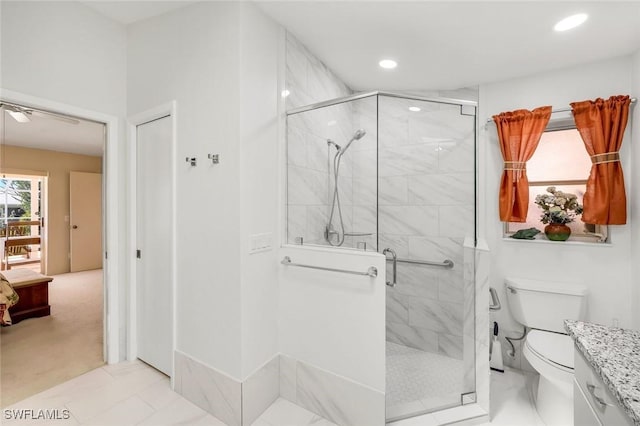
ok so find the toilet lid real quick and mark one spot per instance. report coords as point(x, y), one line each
point(557, 348)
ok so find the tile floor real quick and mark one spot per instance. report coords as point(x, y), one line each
point(419, 381)
point(135, 394)
point(413, 374)
point(512, 394)
point(512, 399)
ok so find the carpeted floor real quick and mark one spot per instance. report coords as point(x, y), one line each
point(39, 353)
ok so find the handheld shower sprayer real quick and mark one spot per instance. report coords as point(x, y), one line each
point(359, 134)
point(335, 205)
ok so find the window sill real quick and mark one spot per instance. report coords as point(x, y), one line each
point(544, 240)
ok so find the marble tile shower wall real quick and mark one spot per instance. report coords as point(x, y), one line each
point(309, 157)
point(307, 79)
point(426, 208)
point(365, 175)
point(310, 172)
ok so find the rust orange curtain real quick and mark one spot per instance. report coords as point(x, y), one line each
point(601, 124)
point(519, 133)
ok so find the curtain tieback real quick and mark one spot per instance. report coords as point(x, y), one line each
point(607, 157)
point(518, 167)
point(515, 165)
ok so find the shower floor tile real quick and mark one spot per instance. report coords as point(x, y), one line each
point(419, 381)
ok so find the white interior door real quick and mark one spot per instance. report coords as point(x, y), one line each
point(154, 221)
point(85, 214)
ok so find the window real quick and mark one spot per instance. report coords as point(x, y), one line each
point(16, 202)
point(561, 161)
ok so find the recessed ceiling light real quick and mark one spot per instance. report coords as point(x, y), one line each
point(388, 64)
point(414, 109)
point(285, 93)
point(571, 22)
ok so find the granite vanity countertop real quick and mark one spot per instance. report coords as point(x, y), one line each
point(614, 354)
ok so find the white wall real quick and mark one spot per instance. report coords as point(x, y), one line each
point(634, 187)
point(604, 269)
point(64, 51)
point(192, 56)
point(260, 156)
point(67, 53)
point(219, 61)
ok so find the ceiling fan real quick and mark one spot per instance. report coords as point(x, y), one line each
point(23, 115)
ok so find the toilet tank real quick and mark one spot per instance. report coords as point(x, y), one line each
point(545, 304)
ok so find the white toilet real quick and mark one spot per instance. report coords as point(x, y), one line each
point(543, 306)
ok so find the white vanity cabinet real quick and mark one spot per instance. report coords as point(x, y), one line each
point(593, 403)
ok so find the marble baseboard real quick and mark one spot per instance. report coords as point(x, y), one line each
point(233, 402)
point(211, 390)
point(333, 397)
point(260, 390)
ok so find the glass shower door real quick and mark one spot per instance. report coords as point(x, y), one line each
point(426, 209)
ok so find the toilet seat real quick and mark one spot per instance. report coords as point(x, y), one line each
point(550, 354)
point(552, 347)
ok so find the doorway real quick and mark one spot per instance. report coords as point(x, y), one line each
point(48, 148)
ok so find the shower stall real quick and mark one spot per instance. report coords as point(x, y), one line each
point(395, 174)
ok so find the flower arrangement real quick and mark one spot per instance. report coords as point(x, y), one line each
point(558, 207)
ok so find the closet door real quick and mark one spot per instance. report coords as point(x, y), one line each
point(154, 235)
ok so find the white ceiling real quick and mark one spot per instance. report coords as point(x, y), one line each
point(438, 44)
point(452, 44)
point(86, 138)
point(127, 11)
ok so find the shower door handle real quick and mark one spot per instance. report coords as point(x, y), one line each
point(394, 259)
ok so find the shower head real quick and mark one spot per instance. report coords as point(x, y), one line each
point(359, 134)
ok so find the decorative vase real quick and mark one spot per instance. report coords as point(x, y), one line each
point(557, 231)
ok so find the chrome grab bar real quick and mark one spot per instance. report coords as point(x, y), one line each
point(495, 301)
point(448, 263)
point(371, 272)
point(394, 258)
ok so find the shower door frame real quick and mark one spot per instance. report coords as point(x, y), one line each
point(356, 96)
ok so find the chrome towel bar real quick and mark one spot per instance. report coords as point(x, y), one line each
point(448, 263)
point(371, 272)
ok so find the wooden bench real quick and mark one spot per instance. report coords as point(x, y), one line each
point(33, 290)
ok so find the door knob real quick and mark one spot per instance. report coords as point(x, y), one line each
point(75, 226)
